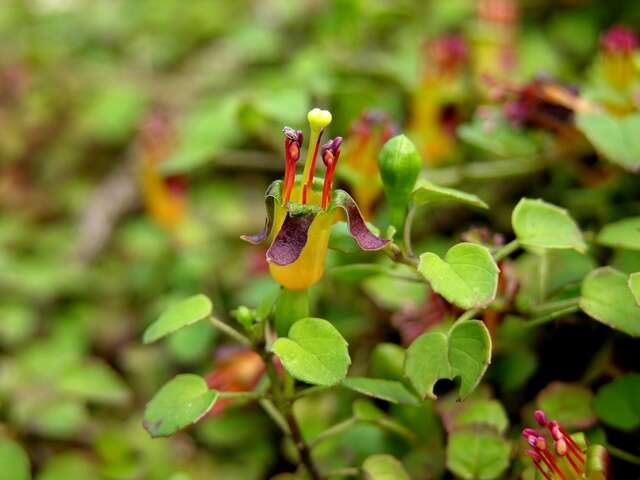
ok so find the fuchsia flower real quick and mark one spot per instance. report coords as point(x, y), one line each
point(301, 209)
point(559, 457)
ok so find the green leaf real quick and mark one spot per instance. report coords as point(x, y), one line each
point(537, 223)
point(389, 390)
point(465, 352)
point(606, 297)
point(187, 312)
point(634, 286)
point(616, 138)
point(622, 234)
point(467, 277)
point(426, 192)
point(618, 403)
point(179, 403)
point(68, 466)
point(386, 361)
point(14, 461)
point(567, 403)
point(314, 352)
point(383, 467)
point(477, 454)
point(486, 412)
point(95, 381)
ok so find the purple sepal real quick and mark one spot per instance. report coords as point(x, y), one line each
point(291, 239)
point(358, 229)
point(271, 196)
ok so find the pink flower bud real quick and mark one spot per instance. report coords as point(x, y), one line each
point(540, 417)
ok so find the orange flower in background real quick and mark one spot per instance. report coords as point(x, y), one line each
point(434, 108)
point(238, 369)
point(164, 196)
point(360, 170)
point(493, 41)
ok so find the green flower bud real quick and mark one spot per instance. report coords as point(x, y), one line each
point(400, 165)
point(244, 316)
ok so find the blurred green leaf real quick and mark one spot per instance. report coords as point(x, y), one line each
point(477, 454)
point(386, 361)
point(14, 461)
point(569, 404)
point(634, 286)
point(95, 381)
point(622, 234)
point(180, 402)
point(383, 467)
point(192, 343)
point(182, 314)
point(314, 352)
point(467, 277)
point(607, 298)
point(69, 466)
point(618, 403)
point(616, 138)
point(490, 413)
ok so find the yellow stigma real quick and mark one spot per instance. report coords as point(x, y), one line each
point(319, 119)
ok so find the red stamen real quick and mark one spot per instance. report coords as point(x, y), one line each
point(575, 467)
point(572, 444)
point(541, 470)
point(330, 156)
point(309, 182)
point(552, 463)
point(292, 142)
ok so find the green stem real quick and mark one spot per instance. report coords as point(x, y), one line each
point(406, 234)
point(506, 250)
point(334, 430)
point(309, 391)
point(559, 304)
point(468, 315)
point(543, 273)
point(622, 455)
point(240, 395)
point(230, 331)
point(275, 415)
point(396, 428)
point(552, 316)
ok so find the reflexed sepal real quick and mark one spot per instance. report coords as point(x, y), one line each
point(291, 239)
point(272, 197)
point(358, 229)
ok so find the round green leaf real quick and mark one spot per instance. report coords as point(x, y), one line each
point(465, 352)
point(477, 454)
point(187, 312)
point(426, 192)
point(388, 390)
point(618, 403)
point(622, 234)
point(567, 403)
point(606, 297)
point(180, 402)
point(314, 352)
point(68, 466)
point(14, 461)
point(537, 223)
point(486, 412)
point(634, 286)
point(467, 277)
point(383, 467)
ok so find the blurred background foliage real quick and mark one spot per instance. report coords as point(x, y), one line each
point(84, 267)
